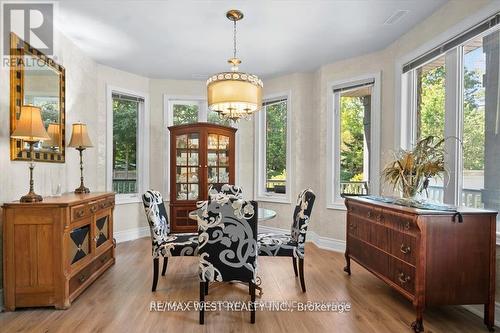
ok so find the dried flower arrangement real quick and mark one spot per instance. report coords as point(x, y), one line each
point(411, 170)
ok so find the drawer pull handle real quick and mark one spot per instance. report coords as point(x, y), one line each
point(82, 278)
point(352, 226)
point(93, 209)
point(103, 205)
point(380, 217)
point(403, 279)
point(405, 248)
point(407, 225)
point(80, 213)
point(369, 214)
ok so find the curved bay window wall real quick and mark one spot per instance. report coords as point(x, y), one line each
point(453, 93)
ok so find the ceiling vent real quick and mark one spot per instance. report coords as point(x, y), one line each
point(396, 16)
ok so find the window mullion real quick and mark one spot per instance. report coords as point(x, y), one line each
point(452, 130)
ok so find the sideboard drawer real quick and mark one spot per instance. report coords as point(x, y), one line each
point(80, 278)
point(399, 221)
point(402, 274)
point(79, 212)
point(403, 246)
point(103, 259)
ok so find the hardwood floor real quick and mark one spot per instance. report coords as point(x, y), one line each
point(120, 300)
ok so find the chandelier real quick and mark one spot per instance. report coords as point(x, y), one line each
point(234, 95)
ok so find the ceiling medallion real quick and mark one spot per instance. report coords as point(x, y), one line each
point(234, 95)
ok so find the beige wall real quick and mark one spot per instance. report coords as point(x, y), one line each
point(81, 76)
point(86, 101)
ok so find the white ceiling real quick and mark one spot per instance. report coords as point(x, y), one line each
point(188, 39)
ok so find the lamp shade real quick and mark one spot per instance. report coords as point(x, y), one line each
point(54, 131)
point(80, 136)
point(234, 95)
point(29, 126)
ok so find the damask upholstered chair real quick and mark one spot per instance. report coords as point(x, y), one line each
point(291, 245)
point(227, 237)
point(165, 244)
point(228, 190)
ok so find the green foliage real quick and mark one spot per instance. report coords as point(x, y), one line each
point(276, 139)
point(185, 114)
point(214, 118)
point(352, 137)
point(431, 103)
point(432, 113)
point(125, 134)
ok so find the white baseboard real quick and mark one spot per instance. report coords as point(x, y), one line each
point(325, 243)
point(478, 311)
point(131, 234)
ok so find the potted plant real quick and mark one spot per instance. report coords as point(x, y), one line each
point(411, 170)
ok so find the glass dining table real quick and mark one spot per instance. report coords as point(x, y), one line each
point(263, 214)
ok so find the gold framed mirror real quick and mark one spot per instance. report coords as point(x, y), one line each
point(36, 79)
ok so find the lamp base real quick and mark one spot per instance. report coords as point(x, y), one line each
point(31, 197)
point(82, 189)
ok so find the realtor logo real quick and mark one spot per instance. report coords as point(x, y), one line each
point(32, 22)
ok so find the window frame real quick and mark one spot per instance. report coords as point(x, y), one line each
point(260, 175)
point(168, 120)
point(405, 97)
point(333, 198)
point(142, 154)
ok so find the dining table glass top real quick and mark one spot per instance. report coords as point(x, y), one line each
point(263, 214)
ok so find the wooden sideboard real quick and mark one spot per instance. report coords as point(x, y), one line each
point(430, 257)
point(54, 249)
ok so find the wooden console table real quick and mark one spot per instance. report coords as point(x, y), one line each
point(54, 249)
point(430, 257)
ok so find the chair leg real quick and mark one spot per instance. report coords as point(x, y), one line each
point(252, 296)
point(294, 261)
point(301, 273)
point(206, 288)
point(165, 263)
point(202, 303)
point(156, 266)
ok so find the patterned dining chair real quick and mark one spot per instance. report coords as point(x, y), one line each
point(227, 237)
point(165, 244)
point(228, 190)
point(291, 245)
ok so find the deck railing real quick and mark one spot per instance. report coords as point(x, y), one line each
point(125, 185)
point(470, 197)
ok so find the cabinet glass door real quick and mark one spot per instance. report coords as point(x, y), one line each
point(217, 160)
point(187, 166)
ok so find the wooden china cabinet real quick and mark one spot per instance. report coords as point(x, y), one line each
point(201, 155)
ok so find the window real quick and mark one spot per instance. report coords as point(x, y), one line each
point(193, 111)
point(185, 112)
point(452, 93)
point(353, 137)
point(273, 150)
point(127, 144)
point(431, 80)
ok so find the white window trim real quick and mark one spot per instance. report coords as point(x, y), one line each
point(403, 100)
point(142, 144)
point(260, 156)
point(168, 120)
point(333, 199)
point(401, 120)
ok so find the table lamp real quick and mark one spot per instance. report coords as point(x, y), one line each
point(30, 129)
point(54, 131)
point(80, 140)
